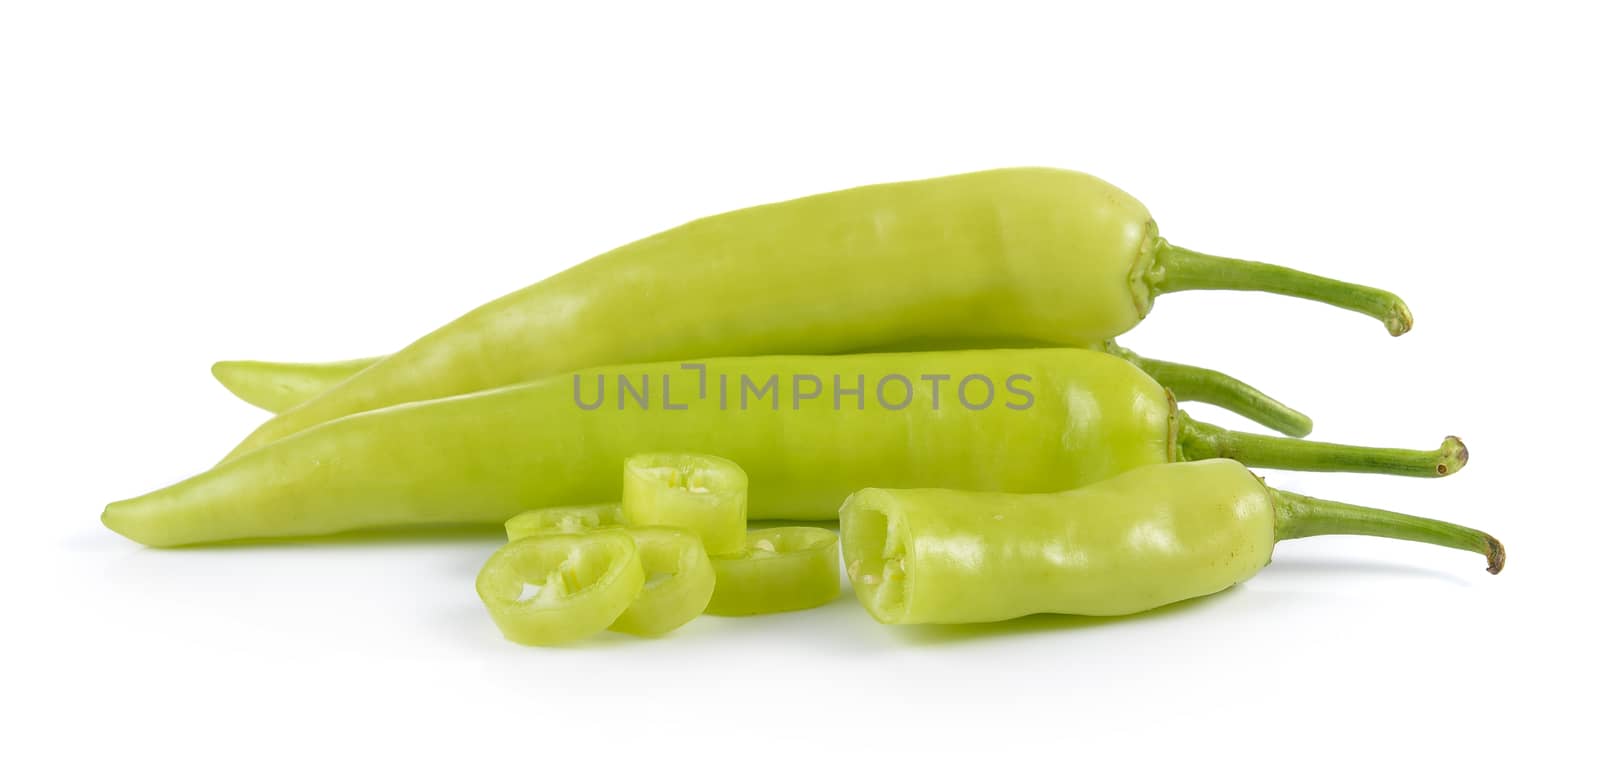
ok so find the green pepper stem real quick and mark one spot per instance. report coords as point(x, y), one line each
point(1178, 269)
point(1198, 441)
point(1299, 516)
point(1193, 383)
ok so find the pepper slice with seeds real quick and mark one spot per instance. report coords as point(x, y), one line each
point(703, 494)
point(558, 588)
point(563, 519)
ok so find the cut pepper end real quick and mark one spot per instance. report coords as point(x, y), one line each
point(1398, 321)
point(1452, 456)
point(875, 552)
point(1497, 556)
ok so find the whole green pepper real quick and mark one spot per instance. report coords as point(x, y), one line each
point(809, 430)
point(1041, 254)
point(279, 386)
point(1141, 540)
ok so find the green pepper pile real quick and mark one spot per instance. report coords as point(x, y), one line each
point(933, 361)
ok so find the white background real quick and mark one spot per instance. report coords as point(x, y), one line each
point(183, 182)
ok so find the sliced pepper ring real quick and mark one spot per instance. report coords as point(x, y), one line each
point(703, 494)
point(780, 569)
point(564, 519)
point(558, 588)
point(677, 585)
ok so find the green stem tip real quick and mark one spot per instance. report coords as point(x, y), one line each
point(1198, 441)
point(1193, 383)
point(1178, 269)
point(1299, 516)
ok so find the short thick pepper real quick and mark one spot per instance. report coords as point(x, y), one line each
point(1149, 537)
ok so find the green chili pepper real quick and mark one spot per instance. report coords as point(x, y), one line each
point(1146, 538)
point(703, 494)
point(809, 430)
point(779, 569)
point(277, 386)
point(679, 580)
point(564, 519)
point(1040, 254)
point(558, 588)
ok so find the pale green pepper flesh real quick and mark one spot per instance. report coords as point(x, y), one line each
point(1040, 254)
point(679, 581)
point(1084, 417)
point(703, 494)
point(678, 574)
point(564, 519)
point(779, 569)
point(1144, 539)
point(559, 588)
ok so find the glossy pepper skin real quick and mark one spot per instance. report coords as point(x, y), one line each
point(487, 456)
point(1149, 537)
point(1042, 254)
